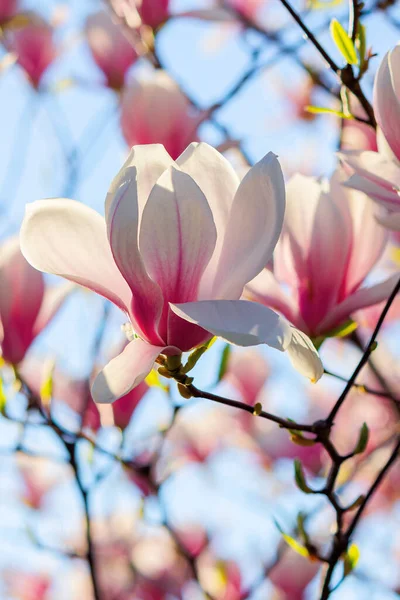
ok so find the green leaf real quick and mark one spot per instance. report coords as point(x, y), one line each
point(196, 355)
point(224, 362)
point(3, 398)
point(300, 477)
point(361, 43)
point(257, 409)
point(153, 380)
point(46, 388)
point(351, 559)
point(362, 440)
point(294, 544)
point(327, 111)
point(343, 42)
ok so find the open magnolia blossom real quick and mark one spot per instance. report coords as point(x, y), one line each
point(378, 173)
point(26, 306)
point(178, 243)
point(329, 244)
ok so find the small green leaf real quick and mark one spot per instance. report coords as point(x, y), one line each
point(343, 42)
point(3, 398)
point(362, 440)
point(257, 409)
point(196, 355)
point(300, 477)
point(317, 110)
point(361, 43)
point(224, 362)
point(300, 440)
point(294, 544)
point(153, 380)
point(343, 330)
point(351, 559)
point(46, 388)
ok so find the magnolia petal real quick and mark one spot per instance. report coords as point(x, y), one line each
point(254, 225)
point(125, 371)
point(304, 356)
point(363, 297)
point(125, 200)
point(67, 238)
point(266, 289)
point(239, 322)
point(219, 182)
point(177, 236)
point(52, 300)
point(387, 98)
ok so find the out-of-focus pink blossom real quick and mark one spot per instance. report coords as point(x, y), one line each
point(249, 9)
point(247, 372)
point(149, 12)
point(329, 244)
point(39, 476)
point(179, 242)
point(26, 586)
point(8, 8)
point(154, 110)
point(292, 574)
point(221, 578)
point(76, 394)
point(378, 173)
point(111, 50)
point(358, 136)
point(34, 46)
point(26, 306)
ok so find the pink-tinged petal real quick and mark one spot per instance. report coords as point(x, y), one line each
point(238, 321)
point(389, 220)
point(52, 300)
point(153, 12)
point(66, 238)
point(218, 181)
point(21, 295)
point(368, 239)
point(111, 50)
point(360, 299)
point(266, 289)
point(387, 98)
point(177, 236)
point(125, 371)
point(125, 406)
point(254, 225)
point(304, 356)
point(374, 174)
point(125, 202)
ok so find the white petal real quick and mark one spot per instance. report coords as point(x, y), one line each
point(69, 239)
point(239, 322)
point(125, 371)
point(304, 357)
point(254, 225)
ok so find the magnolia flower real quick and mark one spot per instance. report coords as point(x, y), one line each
point(110, 48)
point(247, 372)
point(156, 111)
point(178, 243)
point(8, 9)
point(26, 307)
point(378, 173)
point(292, 574)
point(34, 46)
point(329, 244)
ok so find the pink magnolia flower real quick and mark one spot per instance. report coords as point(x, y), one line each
point(26, 586)
point(330, 243)
point(178, 243)
point(111, 50)
point(156, 111)
point(378, 173)
point(34, 46)
point(8, 8)
point(26, 306)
